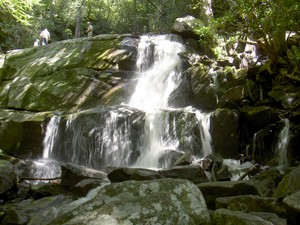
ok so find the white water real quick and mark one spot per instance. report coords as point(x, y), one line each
point(156, 81)
point(154, 86)
point(281, 147)
point(51, 133)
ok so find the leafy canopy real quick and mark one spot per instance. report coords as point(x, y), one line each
point(19, 9)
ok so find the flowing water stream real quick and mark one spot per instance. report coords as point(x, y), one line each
point(143, 132)
point(282, 145)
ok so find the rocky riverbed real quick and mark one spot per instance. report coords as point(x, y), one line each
point(183, 194)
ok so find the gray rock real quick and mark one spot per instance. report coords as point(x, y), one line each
point(84, 186)
point(225, 133)
point(45, 189)
point(248, 203)
point(72, 174)
point(74, 64)
point(212, 190)
point(290, 184)
point(225, 216)
point(273, 218)
point(292, 205)
point(33, 212)
point(21, 133)
point(259, 117)
point(184, 26)
point(163, 201)
point(205, 95)
point(194, 173)
point(267, 181)
point(124, 174)
point(16, 217)
point(7, 176)
point(185, 159)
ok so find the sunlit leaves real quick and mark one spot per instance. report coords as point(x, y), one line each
point(19, 9)
point(265, 19)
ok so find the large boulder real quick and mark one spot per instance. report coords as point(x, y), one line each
point(185, 25)
point(250, 203)
point(212, 190)
point(262, 152)
point(290, 184)
point(256, 118)
point(21, 133)
point(288, 97)
point(8, 176)
point(65, 75)
point(163, 201)
point(40, 211)
point(266, 181)
point(194, 173)
point(225, 216)
point(204, 93)
point(125, 174)
point(292, 205)
point(225, 132)
point(72, 174)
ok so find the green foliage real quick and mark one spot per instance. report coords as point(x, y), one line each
point(265, 20)
point(208, 38)
point(19, 9)
point(21, 21)
point(16, 19)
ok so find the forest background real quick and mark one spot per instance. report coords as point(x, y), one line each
point(21, 21)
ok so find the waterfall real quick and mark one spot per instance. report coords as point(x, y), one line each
point(160, 72)
point(145, 131)
point(51, 133)
point(282, 145)
point(160, 75)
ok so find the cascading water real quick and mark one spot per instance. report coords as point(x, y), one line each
point(145, 131)
point(160, 73)
point(159, 77)
point(281, 147)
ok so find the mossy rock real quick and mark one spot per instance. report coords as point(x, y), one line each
point(258, 117)
point(100, 53)
point(225, 133)
point(163, 201)
point(64, 75)
point(21, 133)
point(7, 176)
point(290, 184)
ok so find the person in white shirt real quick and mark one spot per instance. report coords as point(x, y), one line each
point(45, 36)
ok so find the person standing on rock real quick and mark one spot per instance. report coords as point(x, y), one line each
point(45, 36)
point(89, 30)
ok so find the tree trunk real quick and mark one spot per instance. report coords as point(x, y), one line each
point(78, 20)
point(206, 11)
point(134, 22)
